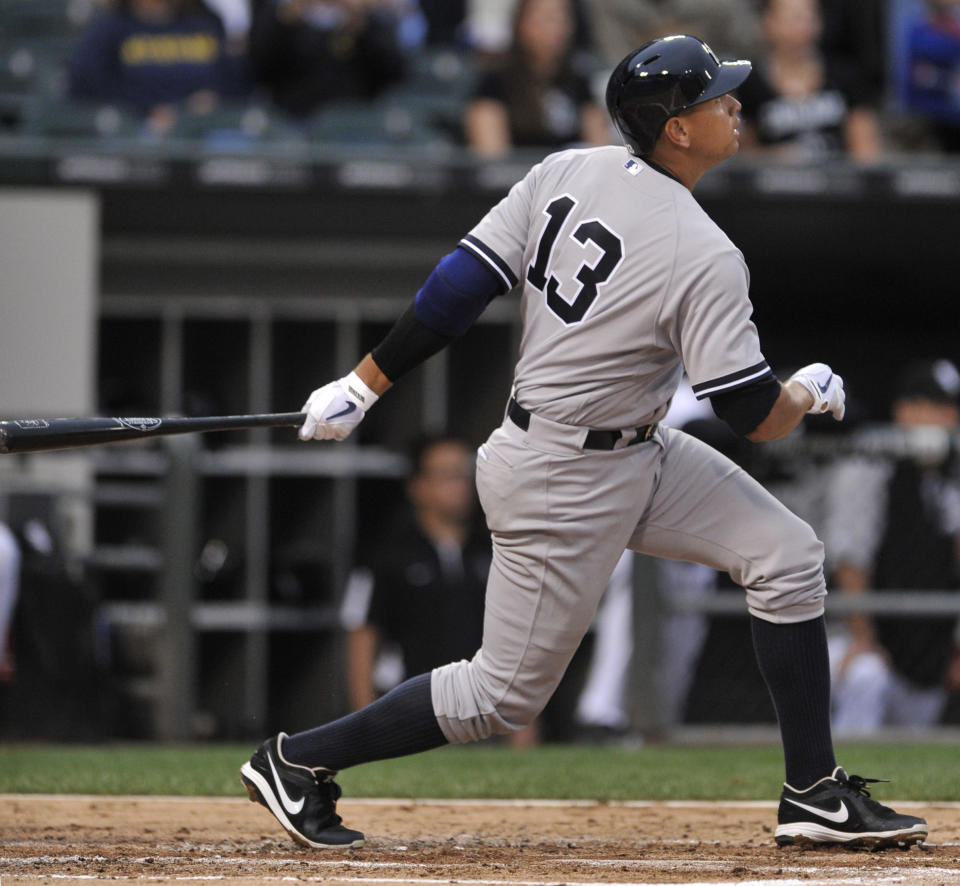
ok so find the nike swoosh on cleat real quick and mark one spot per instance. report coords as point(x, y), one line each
point(292, 806)
point(350, 407)
point(823, 387)
point(841, 815)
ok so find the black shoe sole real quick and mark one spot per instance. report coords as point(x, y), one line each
point(873, 843)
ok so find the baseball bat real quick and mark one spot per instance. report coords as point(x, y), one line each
point(44, 434)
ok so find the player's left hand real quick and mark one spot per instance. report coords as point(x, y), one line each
point(334, 410)
point(825, 386)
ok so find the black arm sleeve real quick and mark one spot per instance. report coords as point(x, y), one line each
point(407, 345)
point(744, 408)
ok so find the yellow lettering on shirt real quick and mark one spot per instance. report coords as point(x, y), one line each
point(169, 49)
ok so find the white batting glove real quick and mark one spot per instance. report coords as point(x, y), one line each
point(334, 410)
point(826, 387)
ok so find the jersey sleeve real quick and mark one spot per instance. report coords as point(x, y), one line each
point(501, 236)
point(717, 340)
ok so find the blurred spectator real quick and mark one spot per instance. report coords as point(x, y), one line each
point(445, 21)
point(857, 31)
point(800, 104)
point(422, 598)
point(535, 96)
point(9, 588)
point(309, 52)
point(894, 523)
point(729, 27)
point(620, 26)
point(933, 70)
point(156, 55)
point(235, 15)
point(489, 25)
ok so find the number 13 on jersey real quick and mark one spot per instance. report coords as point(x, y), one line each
point(590, 277)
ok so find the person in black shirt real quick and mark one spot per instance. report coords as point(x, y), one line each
point(534, 97)
point(799, 103)
point(307, 53)
point(423, 593)
point(894, 524)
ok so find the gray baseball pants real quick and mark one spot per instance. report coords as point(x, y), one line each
point(561, 516)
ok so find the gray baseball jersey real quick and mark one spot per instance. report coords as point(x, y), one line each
point(626, 281)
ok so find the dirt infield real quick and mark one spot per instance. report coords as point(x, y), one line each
point(161, 840)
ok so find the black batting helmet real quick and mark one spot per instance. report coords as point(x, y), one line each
point(662, 78)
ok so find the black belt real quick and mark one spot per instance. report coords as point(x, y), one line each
point(594, 440)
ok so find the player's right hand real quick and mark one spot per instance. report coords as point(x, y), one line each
point(825, 386)
point(334, 410)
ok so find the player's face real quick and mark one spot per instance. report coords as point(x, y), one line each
point(714, 128)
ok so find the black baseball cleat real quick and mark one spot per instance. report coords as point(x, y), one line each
point(302, 799)
point(837, 810)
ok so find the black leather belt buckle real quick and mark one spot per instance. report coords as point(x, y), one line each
point(607, 440)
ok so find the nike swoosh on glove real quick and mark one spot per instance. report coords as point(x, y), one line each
point(826, 387)
point(334, 410)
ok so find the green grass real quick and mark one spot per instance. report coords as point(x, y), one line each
point(920, 771)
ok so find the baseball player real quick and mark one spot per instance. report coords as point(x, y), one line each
point(625, 282)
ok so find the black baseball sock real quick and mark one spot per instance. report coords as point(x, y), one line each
point(400, 723)
point(794, 663)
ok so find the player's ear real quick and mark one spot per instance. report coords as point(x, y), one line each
point(677, 132)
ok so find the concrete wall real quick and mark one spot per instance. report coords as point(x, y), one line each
point(48, 287)
point(49, 258)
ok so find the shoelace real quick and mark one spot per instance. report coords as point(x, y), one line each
point(327, 795)
point(859, 784)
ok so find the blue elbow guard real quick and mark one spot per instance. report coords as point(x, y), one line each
point(456, 293)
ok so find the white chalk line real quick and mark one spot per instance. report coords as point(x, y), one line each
point(468, 802)
point(412, 865)
point(872, 880)
point(359, 864)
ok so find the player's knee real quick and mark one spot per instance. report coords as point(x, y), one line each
point(471, 704)
point(788, 586)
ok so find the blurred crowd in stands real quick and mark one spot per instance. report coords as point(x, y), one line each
point(863, 78)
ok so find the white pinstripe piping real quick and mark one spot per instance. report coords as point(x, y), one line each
point(732, 384)
point(481, 254)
